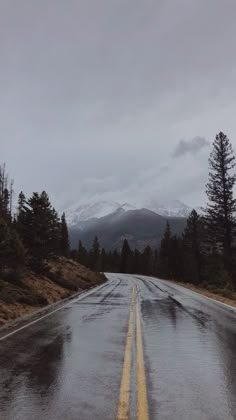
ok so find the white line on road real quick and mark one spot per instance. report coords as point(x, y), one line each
point(232, 308)
point(82, 296)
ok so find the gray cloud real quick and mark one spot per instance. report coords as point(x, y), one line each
point(95, 93)
point(192, 146)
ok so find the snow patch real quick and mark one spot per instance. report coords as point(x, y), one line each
point(80, 213)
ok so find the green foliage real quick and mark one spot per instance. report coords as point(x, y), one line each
point(34, 235)
point(220, 212)
point(6, 194)
point(94, 255)
point(64, 237)
point(204, 254)
point(39, 226)
point(192, 247)
point(12, 252)
point(125, 263)
point(82, 254)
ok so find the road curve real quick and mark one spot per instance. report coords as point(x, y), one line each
point(134, 348)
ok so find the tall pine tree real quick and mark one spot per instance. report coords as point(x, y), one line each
point(64, 237)
point(125, 257)
point(82, 254)
point(41, 230)
point(95, 255)
point(165, 253)
point(220, 212)
point(192, 248)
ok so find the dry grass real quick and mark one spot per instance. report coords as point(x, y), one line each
point(66, 277)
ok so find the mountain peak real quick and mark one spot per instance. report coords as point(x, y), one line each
point(80, 213)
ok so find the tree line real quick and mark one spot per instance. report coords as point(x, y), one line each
point(205, 254)
point(33, 234)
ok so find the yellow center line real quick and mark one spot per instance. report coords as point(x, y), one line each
point(142, 402)
point(123, 405)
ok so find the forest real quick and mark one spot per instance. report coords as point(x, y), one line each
point(204, 255)
point(30, 235)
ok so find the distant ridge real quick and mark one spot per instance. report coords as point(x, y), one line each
point(79, 213)
point(141, 227)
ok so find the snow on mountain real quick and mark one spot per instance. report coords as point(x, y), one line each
point(82, 213)
point(172, 208)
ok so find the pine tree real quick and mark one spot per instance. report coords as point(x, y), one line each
point(4, 241)
point(147, 258)
point(6, 194)
point(125, 257)
point(165, 252)
point(192, 248)
point(175, 258)
point(115, 261)
point(6, 205)
point(155, 262)
point(137, 262)
point(103, 261)
point(23, 219)
point(21, 202)
point(64, 237)
point(82, 254)
point(12, 253)
point(41, 230)
point(95, 255)
point(16, 252)
point(220, 212)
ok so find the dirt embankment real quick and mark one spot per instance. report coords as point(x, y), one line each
point(29, 293)
point(229, 298)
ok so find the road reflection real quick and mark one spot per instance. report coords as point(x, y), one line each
point(37, 377)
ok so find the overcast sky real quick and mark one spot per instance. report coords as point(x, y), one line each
point(116, 99)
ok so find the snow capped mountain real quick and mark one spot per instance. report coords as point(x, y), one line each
point(172, 208)
point(84, 212)
point(78, 214)
point(81, 213)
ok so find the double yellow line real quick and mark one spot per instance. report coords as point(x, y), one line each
point(124, 400)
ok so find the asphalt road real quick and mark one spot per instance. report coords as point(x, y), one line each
point(135, 348)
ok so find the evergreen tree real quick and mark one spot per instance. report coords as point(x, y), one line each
point(6, 193)
point(103, 261)
point(147, 261)
point(125, 257)
point(12, 253)
point(82, 254)
point(41, 230)
point(16, 252)
point(175, 258)
point(23, 219)
point(155, 262)
point(220, 212)
point(64, 239)
point(4, 241)
point(137, 262)
point(95, 255)
point(165, 252)
point(55, 231)
point(192, 248)
point(6, 205)
point(114, 261)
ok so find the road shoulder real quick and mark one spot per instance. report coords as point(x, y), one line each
point(206, 293)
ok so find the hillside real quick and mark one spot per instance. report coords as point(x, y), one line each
point(79, 213)
point(141, 227)
point(29, 293)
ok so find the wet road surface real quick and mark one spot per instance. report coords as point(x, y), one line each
point(136, 347)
